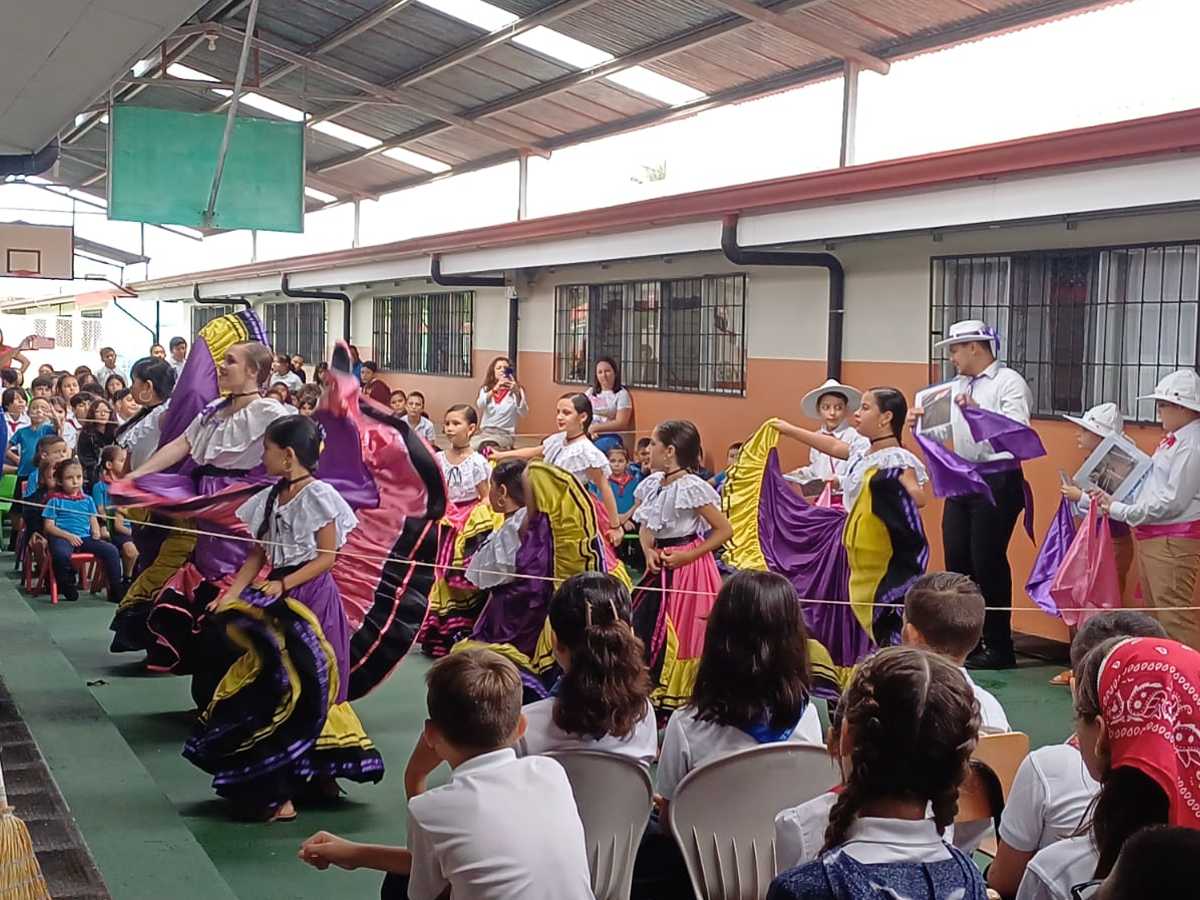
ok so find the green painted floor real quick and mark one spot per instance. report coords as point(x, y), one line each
point(150, 817)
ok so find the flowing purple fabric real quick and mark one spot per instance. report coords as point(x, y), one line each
point(1004, 434)
point(1050, 556)
point(804, 543)
point(516, 612)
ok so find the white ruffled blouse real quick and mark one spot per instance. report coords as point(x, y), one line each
point(861, 460)
point(463, 478)
point(141, 438)
point(233, 441)
point(294, 525)
point(673, 511)
point(575, 457)
point(495, 562)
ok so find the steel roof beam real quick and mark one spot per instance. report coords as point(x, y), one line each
point(475, 48)
point(501, 134)
point(809, 30)
point(682, 41)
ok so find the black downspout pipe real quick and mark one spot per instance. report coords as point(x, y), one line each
point(744, 256)
point(321, 295)
point(218, 301)
point(514, 316)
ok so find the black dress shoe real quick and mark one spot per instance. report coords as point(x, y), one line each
point(988, 658)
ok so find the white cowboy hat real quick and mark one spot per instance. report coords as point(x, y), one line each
point(1181, 387)
point(853, 397)
point(971, 330)
point(1103, 420)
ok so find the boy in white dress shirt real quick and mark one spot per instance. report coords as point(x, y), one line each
point(1165, 510)
point(503, 828)
point(976, 532)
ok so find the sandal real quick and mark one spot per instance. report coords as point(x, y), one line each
point(1062, 679)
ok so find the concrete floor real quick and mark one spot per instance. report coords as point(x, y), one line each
point(112, 737)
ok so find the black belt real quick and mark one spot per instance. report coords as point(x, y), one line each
point(674, 541)
point(215, 472)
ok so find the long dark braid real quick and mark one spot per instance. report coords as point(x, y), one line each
point(301, 435)
point(914, 723)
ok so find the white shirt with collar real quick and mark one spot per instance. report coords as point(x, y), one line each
point(997, 389)
point(542, 735)
point(423, 429)
point(1170, 492)
point(872, 841)
point(503, 828)
point(1048, 799)
point(1056, 869)
point(689, 742)
point(992, 718)
point(822, 465)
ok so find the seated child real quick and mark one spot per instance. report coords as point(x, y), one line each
point(943, 612)
point(502, 828)
point(1053, 790)
point(50, 451)
point(641, 465)
point(1158, 861)
point(25, 440)
point(752, 685)
point(909, 729)
point(624, 481)
point(414, 415)
point(71, 525)
point(731, 458)
point(397, 401)
point(114, 526)
point(602, 700)
point(77, 412)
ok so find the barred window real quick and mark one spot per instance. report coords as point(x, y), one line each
point(64, 332)
point(429, 334)
point(1083, 326)
point(203, 313)
point(685, 334)
point(296, 327)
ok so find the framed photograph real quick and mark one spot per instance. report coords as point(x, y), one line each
point(1116, 467)
point(937, 402)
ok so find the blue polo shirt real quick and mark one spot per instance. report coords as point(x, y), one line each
point(26, 441)
point(72, 514)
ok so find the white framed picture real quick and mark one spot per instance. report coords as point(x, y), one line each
point(1116, 467)
point(937, 405)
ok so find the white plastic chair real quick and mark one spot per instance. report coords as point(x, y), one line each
point(614, 796)
point(723, 814)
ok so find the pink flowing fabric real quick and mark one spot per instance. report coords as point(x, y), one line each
point(457, 514)
point(1087, 580)
point(690, 599)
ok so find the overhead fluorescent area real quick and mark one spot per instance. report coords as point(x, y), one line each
point(320, 196)
point(417, 160)
point(347, 135)
point(568, 50)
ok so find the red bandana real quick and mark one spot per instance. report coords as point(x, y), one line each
point(1150, 702)
point(1167, 442)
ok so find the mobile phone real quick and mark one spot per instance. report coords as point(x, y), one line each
point(1064, 478)
point(508, 372)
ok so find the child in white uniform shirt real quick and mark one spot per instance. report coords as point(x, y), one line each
point(1165, 510)
point(466, 471)
point(1053, 789)
point(414, 415)
point(602, 700)
point(832, 403)
point(503, 828)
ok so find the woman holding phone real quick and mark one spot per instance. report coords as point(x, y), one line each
point(501, 403)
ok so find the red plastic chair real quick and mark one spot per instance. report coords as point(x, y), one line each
point(91, 577)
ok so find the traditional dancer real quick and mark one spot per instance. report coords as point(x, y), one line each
point(1165, 510)
point(979, 517)
point(833, 404)
point(220, 446)
point(673, 600)
point(453, 603)
point(855, 563)
point(571, 450)
point(278, 721)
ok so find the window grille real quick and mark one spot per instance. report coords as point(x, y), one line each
point(685, 334)
point(203, 313)
point(296, 327)
point(1083, 326)
point(64, 332)
point(429, 334)
point(90, 337)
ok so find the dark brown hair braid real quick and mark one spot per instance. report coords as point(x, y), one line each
point(913, 723)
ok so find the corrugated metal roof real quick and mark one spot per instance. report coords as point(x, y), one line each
point(524, 99)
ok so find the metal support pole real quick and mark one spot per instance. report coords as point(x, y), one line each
point(357, 224)
point(253, 245)
point(251, 17)
point(522, 187)
point(849, 112)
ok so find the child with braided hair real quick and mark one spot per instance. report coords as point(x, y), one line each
point(911, 723)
